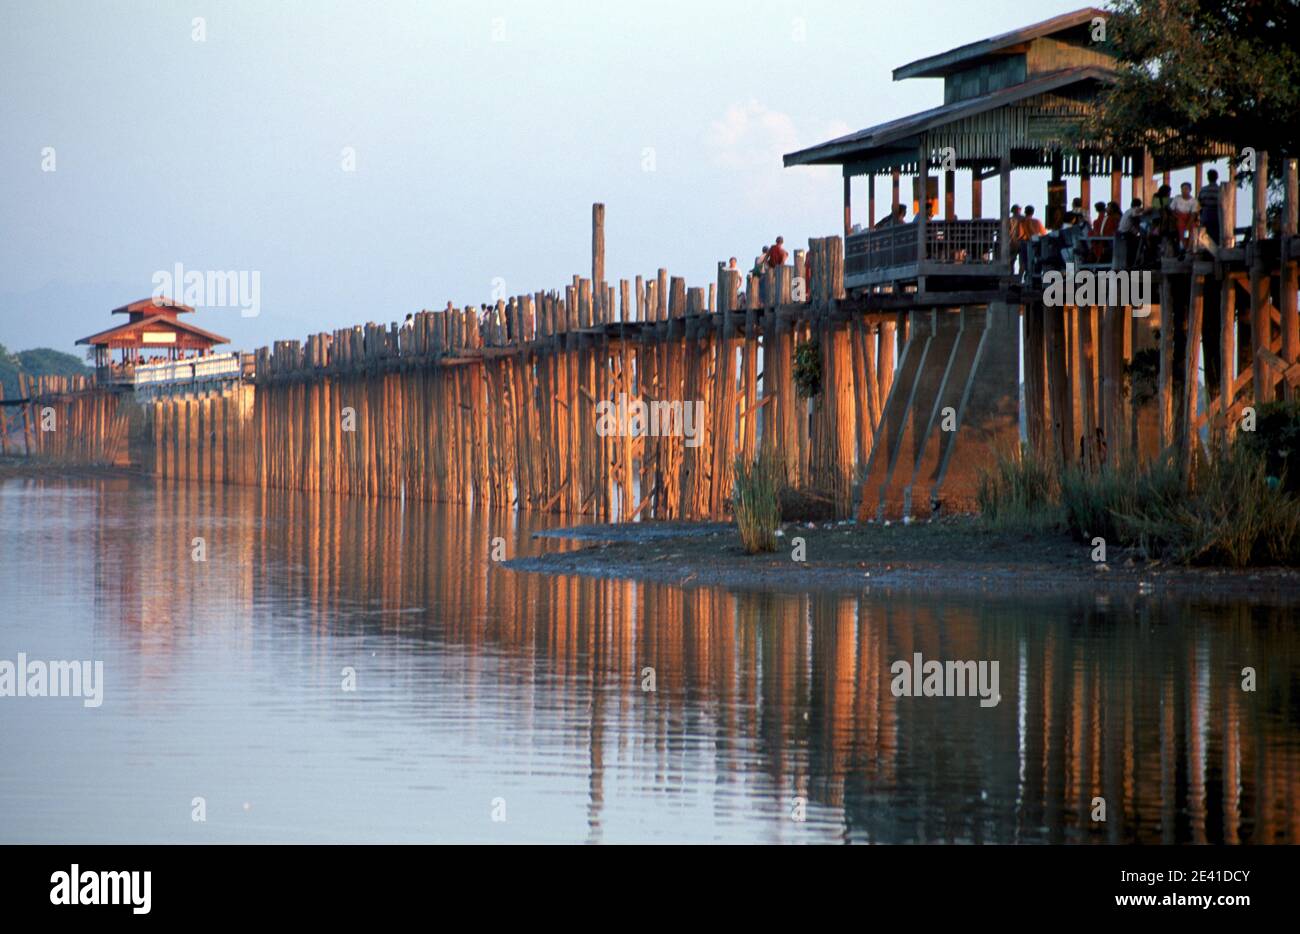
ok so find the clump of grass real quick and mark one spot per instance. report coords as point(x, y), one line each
point(1236, 515)
point(1019, 492)
point(1093, 501)
point(1236, 511)
point(757, 503)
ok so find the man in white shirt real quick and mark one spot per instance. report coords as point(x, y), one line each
point(1185, 210)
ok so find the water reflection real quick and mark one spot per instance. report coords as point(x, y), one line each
point(476, 682)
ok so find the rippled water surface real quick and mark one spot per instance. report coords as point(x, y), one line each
point(481, 691)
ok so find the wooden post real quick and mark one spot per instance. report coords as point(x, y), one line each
point(950, 195)
point(1004, 210)
point(1288, 283)
point(1261, 321)
point(976, 195)
point(871, 205)
point(598, 247)
point(923, 191)
point(894, 176)
point(848, 208)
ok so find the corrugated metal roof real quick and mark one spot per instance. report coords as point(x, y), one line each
point(862, 143)
point(935, 66)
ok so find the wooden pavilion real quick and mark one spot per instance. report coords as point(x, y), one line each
point(152, 325)
point(1013, 101)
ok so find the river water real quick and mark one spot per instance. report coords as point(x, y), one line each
point(338, 670)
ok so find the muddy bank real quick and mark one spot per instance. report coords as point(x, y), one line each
point(953, 555)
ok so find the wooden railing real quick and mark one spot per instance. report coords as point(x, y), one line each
point(954, 242)
point(195, 369)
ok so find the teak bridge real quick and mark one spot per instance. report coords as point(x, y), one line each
point(916, 340)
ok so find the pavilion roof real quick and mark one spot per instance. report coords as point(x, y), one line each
point(163, 320)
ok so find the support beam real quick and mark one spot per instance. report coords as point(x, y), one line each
point(1004, 210)
point(848, 207)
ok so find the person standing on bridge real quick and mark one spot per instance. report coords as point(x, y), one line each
point(777, 255)
point(1208, 196)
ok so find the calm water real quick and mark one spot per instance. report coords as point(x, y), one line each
point(474, 683)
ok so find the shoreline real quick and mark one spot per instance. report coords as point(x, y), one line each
point(954, 555)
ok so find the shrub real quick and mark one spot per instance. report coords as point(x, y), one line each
point(1276, 438)
point(1237, 516)
point(756, 499)
point(808, 369)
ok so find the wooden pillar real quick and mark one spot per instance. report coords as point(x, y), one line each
point(976, 194)
point(950, 195)
point(1192, 354)
point(1261, 322)
point(1288, 272)
point(848, 206)
point(1227, 345)
point(871, 202)
point(923, 190)
point(598, 248)
point(894, 178)
point(1164, 385)
point(1004, 210)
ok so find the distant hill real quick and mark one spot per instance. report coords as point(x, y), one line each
point(40, 361)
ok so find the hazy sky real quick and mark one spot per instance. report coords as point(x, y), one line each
point(482, 133)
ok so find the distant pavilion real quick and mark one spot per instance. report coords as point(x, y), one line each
point(152, 332)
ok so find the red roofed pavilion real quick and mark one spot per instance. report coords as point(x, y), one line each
point(152, 332)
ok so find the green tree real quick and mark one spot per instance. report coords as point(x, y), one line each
point(1207, 70)
point(40, 361)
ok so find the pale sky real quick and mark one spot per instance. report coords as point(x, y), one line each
point(482, 134)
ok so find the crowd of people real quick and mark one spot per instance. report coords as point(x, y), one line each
point(1138, 236)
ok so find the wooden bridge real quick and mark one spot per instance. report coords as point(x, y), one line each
point(911, 378)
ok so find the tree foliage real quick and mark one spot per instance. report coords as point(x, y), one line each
point(40, 361)
point(1208, 70)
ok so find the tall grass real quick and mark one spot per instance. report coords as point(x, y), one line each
point(1236, 515)
point(1232, 514)
point(756, 498)
point(1018, 493)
